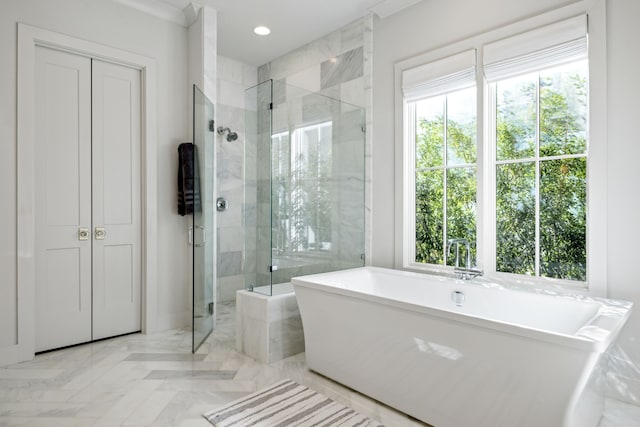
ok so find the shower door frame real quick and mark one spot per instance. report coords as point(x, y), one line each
point(203, 220)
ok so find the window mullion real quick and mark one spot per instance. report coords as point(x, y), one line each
point(490, 163)
point(537, 181)
point(444, 175)
point(411, 223)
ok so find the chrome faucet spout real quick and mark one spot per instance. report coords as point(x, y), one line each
point(469, 272)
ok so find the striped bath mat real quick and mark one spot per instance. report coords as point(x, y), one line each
point(287, 404)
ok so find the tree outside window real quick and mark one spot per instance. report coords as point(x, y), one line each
point(541, 173)
point(445, 174)
point(540, 161)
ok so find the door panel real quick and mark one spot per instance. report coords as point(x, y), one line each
point(203, 220)
point(119, 141)
point(116, 199)
point(62, 199)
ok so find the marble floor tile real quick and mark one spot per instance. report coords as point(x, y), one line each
point(154, 380)
point(128, 404)
point(620, 414)
point(165, 357)
point(150, 409)
point(30, 374)
point(200, 422)
point(46, 422)
point(190, 375)
point(39, 409)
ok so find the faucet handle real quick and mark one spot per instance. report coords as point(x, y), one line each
point(468, 273)
point(456, 241)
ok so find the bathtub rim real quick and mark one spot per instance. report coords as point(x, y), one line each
point(610, 317)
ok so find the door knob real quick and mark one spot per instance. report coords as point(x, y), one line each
point(100, 233)
point(83, 233)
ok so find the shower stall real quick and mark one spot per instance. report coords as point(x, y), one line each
point(304, 185)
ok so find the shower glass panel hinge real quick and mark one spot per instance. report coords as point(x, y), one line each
point(273, 268)
point(363, 128)
point(222, 204)
point(212, 126)
point(362, 257)
point(211, 308)
point(271, 106)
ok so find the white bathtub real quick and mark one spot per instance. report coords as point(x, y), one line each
point(504, 358)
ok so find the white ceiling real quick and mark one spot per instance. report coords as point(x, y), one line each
point(293, 23)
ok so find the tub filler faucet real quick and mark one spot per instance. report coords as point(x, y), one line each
point(468, 272)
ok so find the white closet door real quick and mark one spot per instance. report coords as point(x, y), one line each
point(116, 200)
point(63, 199)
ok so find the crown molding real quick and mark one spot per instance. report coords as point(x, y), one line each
point(159, 9)
point(387, 8)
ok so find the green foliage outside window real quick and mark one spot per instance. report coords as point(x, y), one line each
point(541, 147)
point(445, 174)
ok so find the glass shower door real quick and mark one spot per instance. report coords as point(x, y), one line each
point(203, 219)
point(304, 185)
point(317, 169)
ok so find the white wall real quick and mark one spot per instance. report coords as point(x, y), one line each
point(623, 63)
point(127, 29)
point(433, 24)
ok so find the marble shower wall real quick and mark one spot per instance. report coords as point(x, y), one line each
point(339, 66)
point(338, 240)
point(233, 78)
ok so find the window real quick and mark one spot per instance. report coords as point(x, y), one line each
point(540, 168)
point(511, 178)
point(445, 173)
point(441, 104)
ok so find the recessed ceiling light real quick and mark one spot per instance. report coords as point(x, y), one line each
point(261, 31)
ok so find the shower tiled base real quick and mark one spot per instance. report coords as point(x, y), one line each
point(268, 328)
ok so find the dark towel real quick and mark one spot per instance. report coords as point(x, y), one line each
point(188, 179)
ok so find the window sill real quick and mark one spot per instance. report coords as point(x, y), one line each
point(539, 285)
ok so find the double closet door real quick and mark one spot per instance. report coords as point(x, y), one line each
point(88, 209)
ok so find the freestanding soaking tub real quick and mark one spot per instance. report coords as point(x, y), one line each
point(456, 354)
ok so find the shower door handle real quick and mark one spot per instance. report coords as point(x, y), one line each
point(191, 238)
point(204, 236)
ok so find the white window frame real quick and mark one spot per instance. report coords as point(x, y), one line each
point(491, 259)
point(410, 132)
point(596, 284)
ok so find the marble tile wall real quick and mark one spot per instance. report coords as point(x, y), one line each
point(349, 164)
point(257, 186)
point(339, 66)
point(622, 380)
point(232, 80)
point(268, 328)
point(294, 107)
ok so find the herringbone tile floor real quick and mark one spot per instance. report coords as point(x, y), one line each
point(154, 380)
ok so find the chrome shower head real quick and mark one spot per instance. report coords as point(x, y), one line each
point(231, 136)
